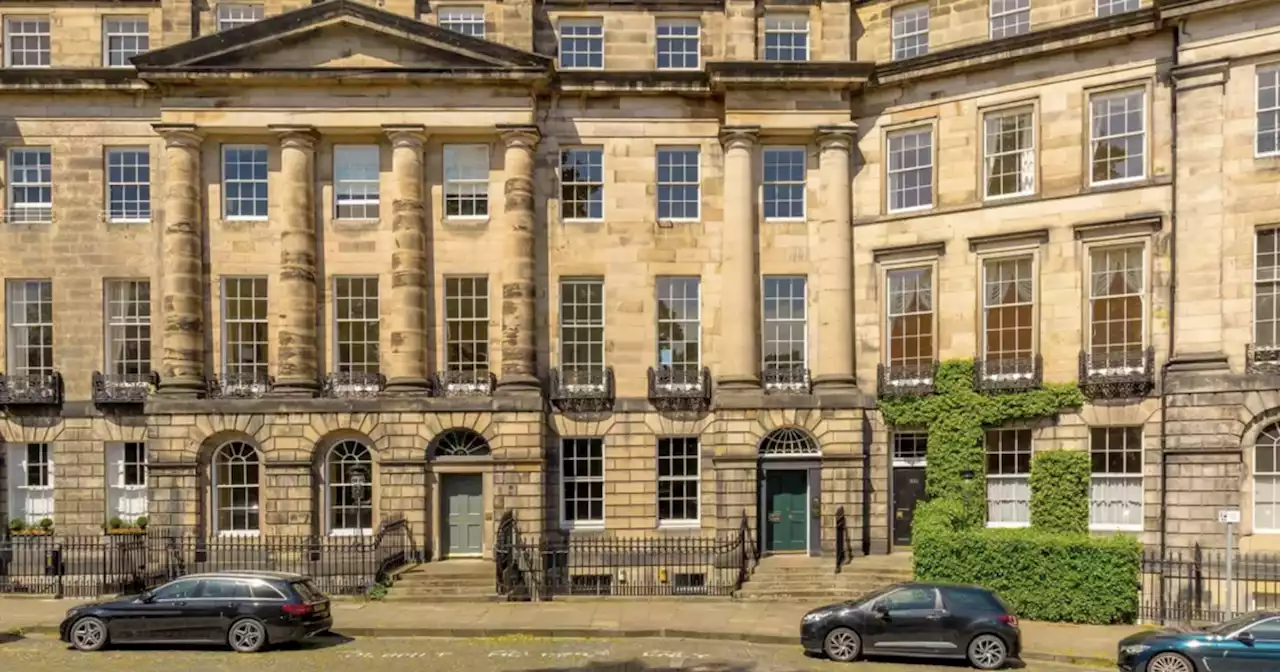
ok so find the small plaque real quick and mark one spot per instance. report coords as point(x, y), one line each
point(775, 517)
point(1229, 516)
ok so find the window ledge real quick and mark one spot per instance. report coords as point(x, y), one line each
point(582, 527)
point(239, 534)
point(679, 525)
point(1115, 528)
point(1007, 526)
point(242, 220)
point(366, 532)
point(571, 220)
point(786, 220)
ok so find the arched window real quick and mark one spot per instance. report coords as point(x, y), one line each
point(459, 443)
point(789, 442)
point(1266, 480)
point(349, 479)
point(235, 489)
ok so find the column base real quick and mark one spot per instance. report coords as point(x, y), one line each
point(836, 383)
point(521, 384)
point(734, 383)
point(296, 386)
point(182, 387)
point(408, 387)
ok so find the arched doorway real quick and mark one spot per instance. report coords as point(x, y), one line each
point(459, 460)
point(789, 484)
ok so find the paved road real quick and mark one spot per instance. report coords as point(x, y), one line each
point(504, 654)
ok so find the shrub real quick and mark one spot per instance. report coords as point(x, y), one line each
point(46, 524)
point(1044, 576)
point(115, 523)
point(141, 522)
point(1060, 491)
point(17, 525)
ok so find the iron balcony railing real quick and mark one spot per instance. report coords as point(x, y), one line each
point(479, 383)
point(583, 389)
point(1262, 359)
point(126, 389)
point(31, 389)
point(681, 388)
point(1008, 374)
point(786, 380)
point(1122, 374)
point(354, 384)
point(906, 380)
point(250, 385)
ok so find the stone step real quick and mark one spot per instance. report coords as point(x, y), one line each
point(392, 597)
point(442, 589)
point(450, 581)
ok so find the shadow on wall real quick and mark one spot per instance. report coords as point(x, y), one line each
point(643, 666)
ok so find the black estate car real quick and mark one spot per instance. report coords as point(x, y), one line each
point(245, 610)
point(918, 620)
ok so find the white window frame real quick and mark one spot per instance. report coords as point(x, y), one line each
point(593, 151)
point(669, 282)
point(988, 306)
point(571, 326)
point(786, 154)
point(1267, 78)
point(119, 490)
point(141, 171)
point(344, 292)
point(912, 458)
point(591, 35)
point(1099, 481)
point(790, 324)
point(696, 479)
point(17, 322)
point(113, 27)
point(231, 15)
point(479, 298)
point(357, 182)
point(678, 32)
point(217, 487)
point(19, 488)
point(1095, 140)
point(128, 308)
point(892, 175)
point(466, 181)
point(1266, 282)
point(786, 23)
point(1142, 293)
point(29, 211)
point(929, 274)
point(462, 19)
point(1026, 156)
point(1014, 479)
point(1000, 11)
point(1113, 7)
point(909, 22)
point(335, 513)
point(251, 181)
point(683, 168)
point(591, 444)
point(259, 369)
point(1268, 438)
point(46, 48)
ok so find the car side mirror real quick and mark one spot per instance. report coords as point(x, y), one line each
point(1245, 638)
point(880, 610)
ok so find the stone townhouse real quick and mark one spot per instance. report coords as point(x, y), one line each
point(635, 269)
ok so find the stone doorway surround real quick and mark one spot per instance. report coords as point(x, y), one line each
point(457, 452)
point(790, 449)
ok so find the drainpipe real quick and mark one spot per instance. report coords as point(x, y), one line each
point(195, 20)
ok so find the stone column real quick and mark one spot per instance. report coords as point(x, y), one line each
point(739, 329)
point(297, 372)
point(519, 308)
point(182, 371)
point(406, 313)
point(833, 367)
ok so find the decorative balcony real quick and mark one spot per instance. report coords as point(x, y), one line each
point(31, 389)
point(582, 389)
point(354, 385)
point(1008, 374)
point(464, 384)
point(1262, 359)
point(241, 386)
point(906, 380)
point(1126, 374)
point(786, 380)
point(682, 389)
point(123, 389)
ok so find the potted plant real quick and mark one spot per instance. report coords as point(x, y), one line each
point(115, 524)
point(141, 523)
point(46, 525)
point(17, 525)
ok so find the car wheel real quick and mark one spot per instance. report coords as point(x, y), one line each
point(89, 634)
point(1170, 662)
point(988, 652)
point(247, 636)
point(842, 645)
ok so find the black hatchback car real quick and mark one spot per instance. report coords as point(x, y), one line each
point(244, 610)
point(917, 620)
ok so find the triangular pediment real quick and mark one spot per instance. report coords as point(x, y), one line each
point(339, 35)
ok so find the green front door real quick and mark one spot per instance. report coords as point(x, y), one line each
point(785, 508)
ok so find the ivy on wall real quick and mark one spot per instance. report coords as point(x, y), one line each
point(1060, 491)
point(955, 415)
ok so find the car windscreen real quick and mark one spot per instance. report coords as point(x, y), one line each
point(1232, 625)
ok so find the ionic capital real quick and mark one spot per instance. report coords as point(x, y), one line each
point(838, 138)
point(179, 135)
point(406, 136)
point(296, 137)
point(739, 137)
point(519, 136)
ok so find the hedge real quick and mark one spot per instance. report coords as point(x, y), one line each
point(1060, 491)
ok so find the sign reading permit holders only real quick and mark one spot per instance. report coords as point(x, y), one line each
point(1229, 516)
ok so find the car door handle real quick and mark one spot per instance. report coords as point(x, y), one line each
point(179, 604)
point(934, 617)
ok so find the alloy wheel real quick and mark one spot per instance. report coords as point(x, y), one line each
point(987, 652)
point(1169, 662)
point(89, 634)
point(842, 645)
point(247, 636)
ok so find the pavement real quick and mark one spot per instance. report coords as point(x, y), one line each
point(762, 623)
point(43, 653)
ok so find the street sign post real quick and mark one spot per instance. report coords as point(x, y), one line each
point(1231, 518)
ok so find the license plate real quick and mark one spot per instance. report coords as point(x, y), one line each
point(322, 608)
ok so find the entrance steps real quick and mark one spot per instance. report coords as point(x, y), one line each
point(446, 581)
point(801, 578)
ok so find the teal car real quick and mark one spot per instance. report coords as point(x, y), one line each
point(1249, 643)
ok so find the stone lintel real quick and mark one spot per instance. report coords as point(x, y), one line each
point(1134, 225)
point(931, 249)
point(1200, 75)
point(1188, 362)
point(1028, 237)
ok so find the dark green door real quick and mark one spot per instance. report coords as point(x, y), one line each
point(463, 500)
point(785, 509)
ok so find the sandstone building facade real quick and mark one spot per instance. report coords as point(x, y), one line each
point(632, 269)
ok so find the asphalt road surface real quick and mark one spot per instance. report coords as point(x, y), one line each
point(503, 654)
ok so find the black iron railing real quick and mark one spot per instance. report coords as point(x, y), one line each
point(1124, 374)
point(354, 384)
point(91, 566)
point(463, 384)
point(31, 389)
point(583, 389)
point(1008, 374)
point(906, 380)
point(1262, 359)
point(786, 380)
point(1189, 585)
point(123, 388)
point(681, 388)
point(240, 385)
point(842, 540)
